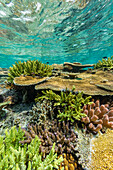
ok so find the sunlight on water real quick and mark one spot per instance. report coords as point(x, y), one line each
point(55, 31)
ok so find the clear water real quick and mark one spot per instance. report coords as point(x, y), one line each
point(55, 31)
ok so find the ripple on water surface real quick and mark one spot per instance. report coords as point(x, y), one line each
point(55, 31)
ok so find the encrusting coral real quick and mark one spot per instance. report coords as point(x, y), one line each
point(14, 156)
point(98, 116)
point(102, 151)
point(68, 103)
point(29, 68)
point(59, 132)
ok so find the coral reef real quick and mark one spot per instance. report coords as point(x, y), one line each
point(69, 163)
point(98, 116)
point(84, 140)
point(29, 68)
point(40, 112)
point(15, 156)
point(60, 133)
point(105, 64)
point(28, 80)
point(75, 67)
point(85, 82)
point(69, 103)
point(17, 114)
point(102, 151)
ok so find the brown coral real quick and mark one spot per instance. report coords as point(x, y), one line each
point(60, 133)
point(98, 116)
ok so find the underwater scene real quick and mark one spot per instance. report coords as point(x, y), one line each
point(56, 85)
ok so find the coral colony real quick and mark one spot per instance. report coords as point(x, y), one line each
point(59, 126)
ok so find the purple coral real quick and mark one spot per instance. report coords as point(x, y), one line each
point(59, 132)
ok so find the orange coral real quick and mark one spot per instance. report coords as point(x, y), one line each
point(69, 163)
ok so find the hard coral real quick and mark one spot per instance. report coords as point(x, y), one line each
point(102, 151)
point(98, 116)
point(68, 104)
point(60, 133)
point(40, 112)
point(69, 163)
point(29, 68)
point(105, 64)
point(15, 156)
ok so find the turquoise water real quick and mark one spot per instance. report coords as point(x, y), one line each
point(55, 31)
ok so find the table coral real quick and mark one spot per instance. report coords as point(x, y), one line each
point(102, 151)
point(98, 116)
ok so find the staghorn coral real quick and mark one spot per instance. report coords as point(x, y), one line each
point(105, 64)
point(69, 163)
point(69, 105)
point(59, 132)
point(14, 156)
point(29, 68)
point(98, 116)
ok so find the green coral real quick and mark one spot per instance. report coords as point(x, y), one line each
point(14, 156)
point(70, 103)
point(105, 64)
point(29, 68)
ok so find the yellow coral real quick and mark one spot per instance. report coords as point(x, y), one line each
point(102, 152)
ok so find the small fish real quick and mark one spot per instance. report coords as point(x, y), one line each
point(105, 58)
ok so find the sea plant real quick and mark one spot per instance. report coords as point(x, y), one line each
point(68, 102)
point(105, 64)
point(15, 156)
point(29, 68)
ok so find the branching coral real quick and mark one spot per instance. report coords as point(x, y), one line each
point(69, 104)
point(41, 111)
point(29, 68)
point(15, 156)
point(105, 64)
point(60, 133)
point(69, 163)
point(98, 116)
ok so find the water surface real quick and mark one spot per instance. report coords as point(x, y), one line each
point(55, 31)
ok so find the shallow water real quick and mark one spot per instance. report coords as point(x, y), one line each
point(55, 31)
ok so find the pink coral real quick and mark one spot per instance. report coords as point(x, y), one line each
point(98, 116)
